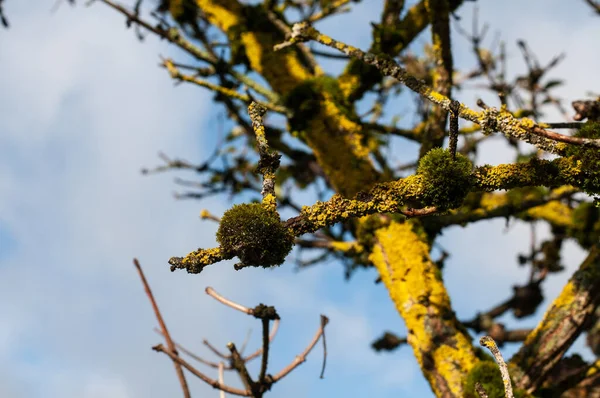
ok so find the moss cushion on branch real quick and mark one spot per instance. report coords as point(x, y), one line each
point(255, 235)
point(446, 181)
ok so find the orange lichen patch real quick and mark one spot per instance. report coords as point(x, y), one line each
point(443, 351)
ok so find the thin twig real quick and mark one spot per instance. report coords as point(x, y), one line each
point(567, 125)
point(246, 340)
point(189, 353)
point(163, 327)
point(302, 357)
point(174, 36)
point(324, 321)
point(215, 350)
point(200, 375)
point(271, 337)
point(240, 366)
point(176, 74)
point(490, 344)
point(211, 292)
point(221, 379)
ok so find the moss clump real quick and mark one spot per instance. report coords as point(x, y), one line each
point(255, 235)
point(446, 181)
point(487, 373)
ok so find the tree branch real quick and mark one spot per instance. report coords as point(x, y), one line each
point(561, 325)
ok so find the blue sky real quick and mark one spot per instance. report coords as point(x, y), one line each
point(84, 107)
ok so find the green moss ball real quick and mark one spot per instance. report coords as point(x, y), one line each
point(255, 235)
point(446, 181)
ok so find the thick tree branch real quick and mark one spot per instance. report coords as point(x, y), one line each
point(561, 325)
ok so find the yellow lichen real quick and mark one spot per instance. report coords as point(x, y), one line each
point(221, 13)
point(491, 201)
point(269, 202)
point(555, 212)
point(346, 246)
point(203, 256)
point(412, 280)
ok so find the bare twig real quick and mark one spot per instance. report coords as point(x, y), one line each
point(212, 292)
point(302, 357)
point(239, 365)
point(324, 321)
point(189, 353)
point(174, 36)
point(271, 337)
point(221, 379)
point(176, 74)
point(165, 332)
point(215, 350)
point(200, 375)
point(246, 340)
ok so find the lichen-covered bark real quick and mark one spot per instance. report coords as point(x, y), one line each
point(337, 144)
point(442, 347)
point(588, 387)
point(561, 325)
point(337, 141)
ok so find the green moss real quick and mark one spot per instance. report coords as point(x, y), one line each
point(589, 130)
point(487, 373)
point(255, 235)
point(446, 181)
